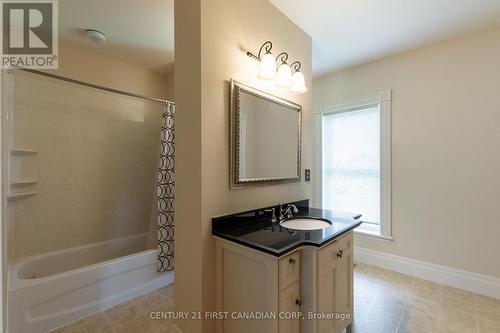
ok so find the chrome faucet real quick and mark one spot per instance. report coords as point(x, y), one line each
point(288, 211)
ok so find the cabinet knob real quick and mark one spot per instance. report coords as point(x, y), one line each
point(292, 261)
point(340, 253)
point(298, 302)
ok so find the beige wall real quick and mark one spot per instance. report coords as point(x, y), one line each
point(211, 40)
point(84, 65)
point(170, 89)
point(445, 160)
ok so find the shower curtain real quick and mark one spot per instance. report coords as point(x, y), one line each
point(165, 191)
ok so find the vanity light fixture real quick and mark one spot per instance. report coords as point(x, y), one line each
point(267, 69)
point(283, 77)
point(299, 84)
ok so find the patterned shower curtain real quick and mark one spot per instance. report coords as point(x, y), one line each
point(166, 195)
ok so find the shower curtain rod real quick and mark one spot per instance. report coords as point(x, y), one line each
point(95, 86)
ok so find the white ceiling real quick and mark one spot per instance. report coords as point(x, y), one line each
point(350, 32)
point(138, 32)
point(344, 32)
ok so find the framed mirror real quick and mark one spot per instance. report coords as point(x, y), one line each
point(266, 135)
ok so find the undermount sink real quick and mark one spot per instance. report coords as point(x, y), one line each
point(306, 223)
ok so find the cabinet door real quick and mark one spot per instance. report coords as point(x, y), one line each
point(335, 283)
point(289, 305)
point(343, 289)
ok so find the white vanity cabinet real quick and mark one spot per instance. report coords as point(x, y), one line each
point(289, 292)
point(335, 284)
point(307, 280)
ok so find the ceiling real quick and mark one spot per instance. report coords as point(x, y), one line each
point(349, 32)
point(138, 32)
point(344, 32)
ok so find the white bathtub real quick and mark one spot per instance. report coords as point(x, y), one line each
point(55, 289)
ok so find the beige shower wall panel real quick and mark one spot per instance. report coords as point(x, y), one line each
point(96, 165)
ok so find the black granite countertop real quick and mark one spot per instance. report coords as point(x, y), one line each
point(254, 229)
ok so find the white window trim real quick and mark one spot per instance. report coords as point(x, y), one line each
point(383, 99)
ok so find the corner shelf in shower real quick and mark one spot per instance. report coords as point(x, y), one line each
point(22, 152)
point(21, 195)
point(20, 183)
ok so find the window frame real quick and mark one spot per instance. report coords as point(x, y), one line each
point(383, 100)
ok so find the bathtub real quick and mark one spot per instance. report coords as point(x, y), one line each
point(54, 289)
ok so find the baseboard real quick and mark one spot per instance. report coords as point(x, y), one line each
point(477, 283)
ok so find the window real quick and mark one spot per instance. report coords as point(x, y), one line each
point(355, 163)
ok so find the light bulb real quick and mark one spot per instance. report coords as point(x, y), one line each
point(267, 70)
point(299, 84)
point(284, 76)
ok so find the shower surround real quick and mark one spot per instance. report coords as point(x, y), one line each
point(82, 173)
point(93, 163)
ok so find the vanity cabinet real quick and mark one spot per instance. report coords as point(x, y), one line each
point(316, 280)
point(289, 291)
point(335, 284)
point(289, 302)
point(289, 270)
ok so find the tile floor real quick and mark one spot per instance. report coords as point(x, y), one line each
point(384, 302)
point(388, 302)
point(130, 317)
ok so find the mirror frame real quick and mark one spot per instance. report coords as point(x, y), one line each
point(234, 167)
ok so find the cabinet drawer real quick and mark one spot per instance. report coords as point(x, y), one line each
point(335, 250)
point(289, 270)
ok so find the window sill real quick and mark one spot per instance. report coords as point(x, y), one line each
point(363, 234)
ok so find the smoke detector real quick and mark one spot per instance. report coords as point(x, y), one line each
point(95, 36)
